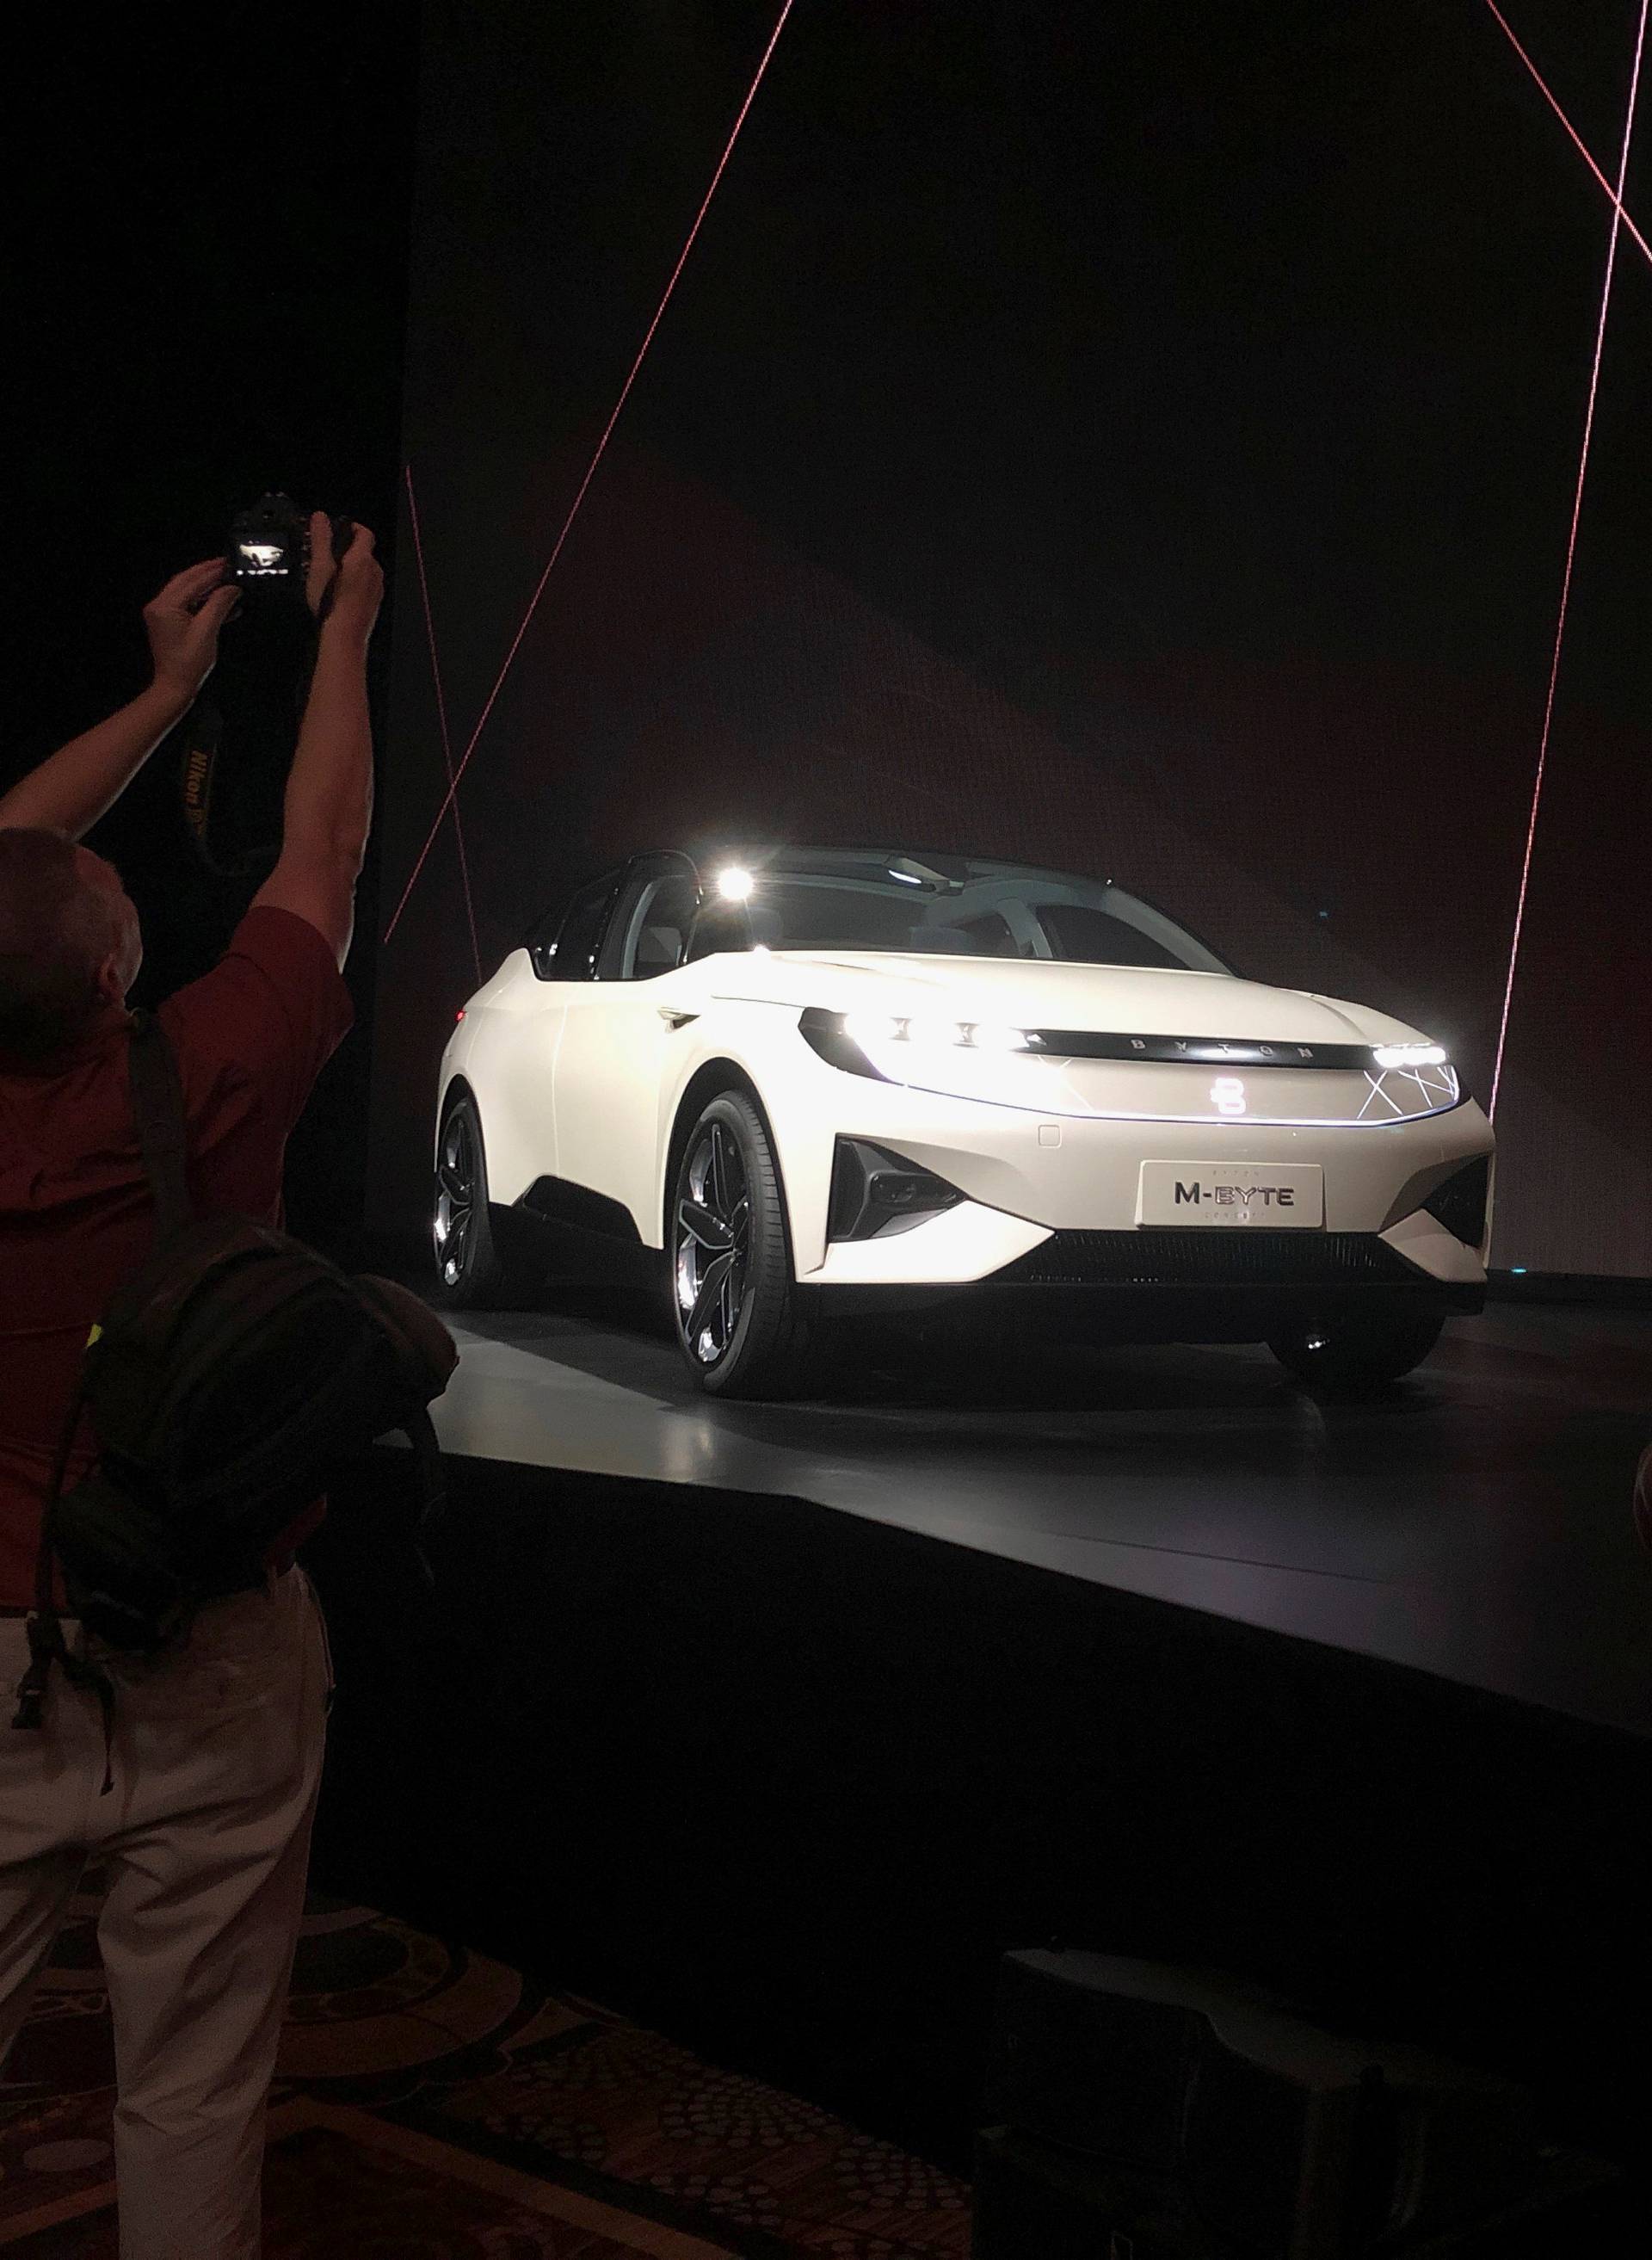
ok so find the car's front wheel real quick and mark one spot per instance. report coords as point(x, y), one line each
point(738, 1323)
point(471, 1274)
point(1350, 1355)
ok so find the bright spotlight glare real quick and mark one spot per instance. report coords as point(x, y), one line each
point(733, 884)
point(990, 1036)
point(1425, 1054)
point(870, 1029)
point(935, 1032)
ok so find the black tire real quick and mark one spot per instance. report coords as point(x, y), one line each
point(1356, 1355)
point(470, 1272)
point(738, 1322)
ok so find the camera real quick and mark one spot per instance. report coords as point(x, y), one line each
point(269, 546)
point(261, 683)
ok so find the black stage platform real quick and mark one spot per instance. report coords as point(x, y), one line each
point(777, 1724)
point(1473, 1522)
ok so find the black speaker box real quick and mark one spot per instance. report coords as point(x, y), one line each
point(1285, 2139)
point(1035, 2202)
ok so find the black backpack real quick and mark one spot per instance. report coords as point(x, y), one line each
point(226, 1376)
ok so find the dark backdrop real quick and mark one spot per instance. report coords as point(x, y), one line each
point(1132, 438)
point(206, 217)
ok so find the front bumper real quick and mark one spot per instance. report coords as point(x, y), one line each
point(1238, 1284)
point(1053, 1204)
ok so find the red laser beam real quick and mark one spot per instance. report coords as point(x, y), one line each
point(441, 713)
point(1577, 139)
point(1571, 554)
point(591, 471)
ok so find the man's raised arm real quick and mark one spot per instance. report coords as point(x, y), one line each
point(329, 804)
point(72, 788)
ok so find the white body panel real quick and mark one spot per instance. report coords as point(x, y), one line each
point(616, 1055)
point(584, 1081)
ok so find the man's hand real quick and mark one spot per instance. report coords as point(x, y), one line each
point(344, 593)
point(72, 788)
point(182, 624)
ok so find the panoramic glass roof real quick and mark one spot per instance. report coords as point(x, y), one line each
point(899, 899)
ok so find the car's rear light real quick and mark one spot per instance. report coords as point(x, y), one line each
point(460, 1014)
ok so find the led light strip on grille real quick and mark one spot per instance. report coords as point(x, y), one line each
point(997, 1065)
point(1199, 1051)
point(879, 1028)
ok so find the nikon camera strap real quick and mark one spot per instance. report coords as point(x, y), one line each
point(204, 734)
point(204, 737)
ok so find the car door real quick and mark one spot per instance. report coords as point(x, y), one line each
point(616, 1044)
point(518, 1105)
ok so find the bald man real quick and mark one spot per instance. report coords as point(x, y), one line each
point(217, 1749)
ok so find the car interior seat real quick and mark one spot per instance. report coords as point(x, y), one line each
point(659, 950)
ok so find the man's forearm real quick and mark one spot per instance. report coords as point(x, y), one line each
point(329, 804)
point(72, 788)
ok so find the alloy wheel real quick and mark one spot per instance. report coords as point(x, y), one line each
point(713, 1243)
point(455, 1196)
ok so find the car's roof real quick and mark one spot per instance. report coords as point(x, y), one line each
point(949, 863)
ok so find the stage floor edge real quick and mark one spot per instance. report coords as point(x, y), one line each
point(1473, 1523)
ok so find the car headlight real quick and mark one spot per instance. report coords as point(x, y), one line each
point(873, 1030)
point(1422, 1053)
point(935, 1054)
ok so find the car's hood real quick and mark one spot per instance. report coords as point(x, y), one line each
point(1037, 993)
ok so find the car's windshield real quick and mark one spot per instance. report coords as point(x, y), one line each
point(830, 899)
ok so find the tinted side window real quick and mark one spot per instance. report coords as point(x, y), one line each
point(568, 952)
point(649, 923)
point(1094, 937)
point(660, 928)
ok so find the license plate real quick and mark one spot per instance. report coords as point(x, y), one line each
point(1233, 1193)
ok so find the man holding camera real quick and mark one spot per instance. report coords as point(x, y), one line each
point(212, 1752)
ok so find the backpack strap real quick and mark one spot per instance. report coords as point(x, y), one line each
point(46, 1629)
point(47, 1643)
point(157, 1104)
point(420, 1431)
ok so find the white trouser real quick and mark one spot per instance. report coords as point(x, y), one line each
point(205, 1835)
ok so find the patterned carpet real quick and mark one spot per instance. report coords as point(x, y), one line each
point(431, 2104)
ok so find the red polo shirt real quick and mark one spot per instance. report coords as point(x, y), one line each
point(250, 1039)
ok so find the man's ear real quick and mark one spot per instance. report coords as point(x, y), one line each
point(111, 981)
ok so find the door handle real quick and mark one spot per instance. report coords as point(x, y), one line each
point(675, 1017)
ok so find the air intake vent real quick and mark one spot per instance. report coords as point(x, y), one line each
point(1239, 1257)
point(1460, 1203)
point(875, 1192)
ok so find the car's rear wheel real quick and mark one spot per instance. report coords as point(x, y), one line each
point(1349, 1355)
point(738, 1323)
point(471, 1274)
